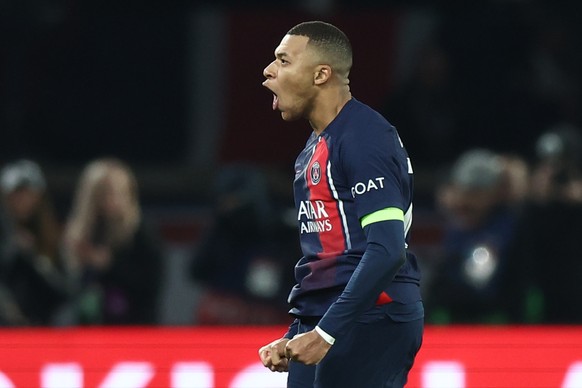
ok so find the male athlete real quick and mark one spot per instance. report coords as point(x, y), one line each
point(357, 305)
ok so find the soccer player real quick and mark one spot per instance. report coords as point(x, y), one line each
point(357, 305)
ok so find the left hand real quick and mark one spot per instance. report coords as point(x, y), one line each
point(307, 348)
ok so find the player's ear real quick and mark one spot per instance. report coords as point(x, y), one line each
point(322, 74)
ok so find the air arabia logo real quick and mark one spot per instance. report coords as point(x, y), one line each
point(315, 173)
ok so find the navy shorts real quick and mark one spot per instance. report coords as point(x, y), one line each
point(376, 354)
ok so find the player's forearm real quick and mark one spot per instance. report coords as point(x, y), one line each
point(384, 255)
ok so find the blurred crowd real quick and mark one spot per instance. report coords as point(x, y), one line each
point(104, 263)
point(100, 266)
point(509, 252)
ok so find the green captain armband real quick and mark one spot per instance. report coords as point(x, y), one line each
point(386, 214)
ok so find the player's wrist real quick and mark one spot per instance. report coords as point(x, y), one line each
point(326, 337)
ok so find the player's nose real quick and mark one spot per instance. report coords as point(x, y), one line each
point(269, 71)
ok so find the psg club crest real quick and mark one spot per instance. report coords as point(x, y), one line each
point(315, 173)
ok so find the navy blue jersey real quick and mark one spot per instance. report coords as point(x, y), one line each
point(355, 167)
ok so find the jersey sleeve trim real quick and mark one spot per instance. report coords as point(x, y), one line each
point(327, 338)
point(386, 214)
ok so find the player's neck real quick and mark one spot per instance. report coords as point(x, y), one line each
point(327, 108)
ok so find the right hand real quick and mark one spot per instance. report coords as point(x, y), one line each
point(273, 355)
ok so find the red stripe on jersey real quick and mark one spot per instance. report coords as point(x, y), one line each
point(384, 298)
point(331, 235)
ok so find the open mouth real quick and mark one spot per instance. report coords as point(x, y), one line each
point(275, 104)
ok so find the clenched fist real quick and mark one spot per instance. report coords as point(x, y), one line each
point(307, 348)
point(273, 355)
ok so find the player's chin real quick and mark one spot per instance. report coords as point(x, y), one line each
point(289, 116)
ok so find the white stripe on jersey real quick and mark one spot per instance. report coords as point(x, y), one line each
point(341, 206)
point(309, 160)
point(407, 221)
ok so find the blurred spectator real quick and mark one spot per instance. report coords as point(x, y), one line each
point(115, 257)
point(516, 175)
point(471, 280)
point(557, 176)
point(548, 249)
point(244, 262)
point(32, 282)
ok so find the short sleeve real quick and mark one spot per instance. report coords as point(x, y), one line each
point(374, 162)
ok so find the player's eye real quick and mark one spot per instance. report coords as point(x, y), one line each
point(284, 61)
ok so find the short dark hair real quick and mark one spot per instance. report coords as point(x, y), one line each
point(330, 41)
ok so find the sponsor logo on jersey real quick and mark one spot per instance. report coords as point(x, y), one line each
point(365, 187)
point(315, 173)
point(313, 217)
